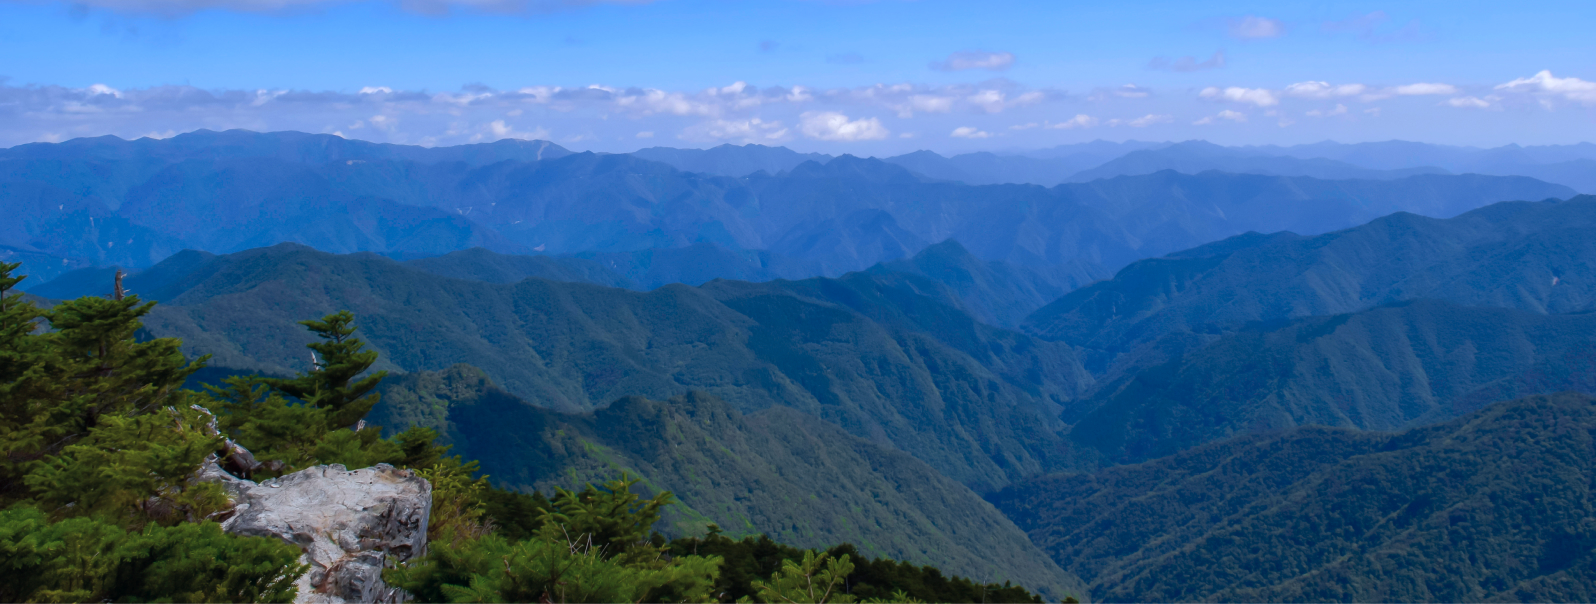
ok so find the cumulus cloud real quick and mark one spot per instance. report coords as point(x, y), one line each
point(1424, 88)
point(1323, 90)
point(172, 8)
point(1127, 91)
point(1339, 110)
point(752, 130)
point(969, 132)
point(1469, 102)
point(1143, 121)
point(834, 126)
point(1252, 27)
point(387, 114)
point(1188, 63)
point(1547, 86)
point(1080, 120)
point(1234, 116)
point(1261, 97)
point(975, 59)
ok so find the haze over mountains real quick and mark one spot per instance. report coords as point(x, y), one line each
point(106, 201)
point(1198, 373)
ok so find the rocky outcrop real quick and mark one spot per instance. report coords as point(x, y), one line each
point(348, 522)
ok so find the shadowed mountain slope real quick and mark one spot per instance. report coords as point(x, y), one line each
point(1527, 255)
point(1492, 507)
point(1193, 157)
point(893, 362)
point(731, 160)
point(777, 471)
point(1387, 368)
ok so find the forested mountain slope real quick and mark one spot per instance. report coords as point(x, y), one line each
point(1528, 255)
point(777, 471)
point(1495, 506)
point(1388, 368)
point(890, 360)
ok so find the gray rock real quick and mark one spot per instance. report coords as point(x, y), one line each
point(347, 522)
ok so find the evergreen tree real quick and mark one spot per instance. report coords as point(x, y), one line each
point(331, 384)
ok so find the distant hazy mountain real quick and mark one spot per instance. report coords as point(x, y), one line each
point(292, 147)
point(152, 198)
point(1528, 255)
point(777, 472)
point(892, 359)
point(1491, 507)
point(485, 265)
point(991, 169)
point(1570, 165)
point(731, 160)
point(996, 292)
point(1193, 157)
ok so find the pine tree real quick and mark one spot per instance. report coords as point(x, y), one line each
point(331, 384)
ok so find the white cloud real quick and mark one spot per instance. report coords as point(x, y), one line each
point(1143, 121)
point(995, 101)
point(1234, 116)
point(98, 89)
point(172, 8)
point(1424, 88)
point(1323, 90)
point(1256, 96)
point(1080, 120)
point(376, 90)
point(1372, 112)
point(975, 59)
point(1253, 27)
point(834, 126)
point(646, 134)
point(1469, 102)
point(753, 130)
point(969, 132)
point(1339, 110)
point(1546, 85)
point(499, 130)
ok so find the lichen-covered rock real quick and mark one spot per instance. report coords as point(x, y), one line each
point(348, 522)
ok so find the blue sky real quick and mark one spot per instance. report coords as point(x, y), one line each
point(841, 76)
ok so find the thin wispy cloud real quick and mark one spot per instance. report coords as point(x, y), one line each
point(1188, 63)
point(975, 59)
point(1375, 27)
point(175, 8)
point(1253, 27)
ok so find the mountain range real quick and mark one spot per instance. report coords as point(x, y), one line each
point(102, 202)
point(777, 471)
point(1495, 506)
point(1525, 255)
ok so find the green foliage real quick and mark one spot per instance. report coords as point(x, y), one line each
point(593, 546)
point(98, 445)
point(88, 559)
point(1495, 506)
point(749, 561)
point(803, 481)
point(315, 422)
point(815, 580)
point(89, 373)
point(332, 384)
